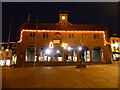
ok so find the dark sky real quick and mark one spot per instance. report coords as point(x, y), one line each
point(79, 13)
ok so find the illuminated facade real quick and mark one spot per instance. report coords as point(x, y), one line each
point(62, 43)
point(7, 55)
point(115, 47)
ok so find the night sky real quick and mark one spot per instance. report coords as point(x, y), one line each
point(47, 12)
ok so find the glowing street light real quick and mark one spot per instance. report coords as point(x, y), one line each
point(48, 51)
point(58, 51)
point(80, 48)
point(63, 17)
point(69, 48)
point(7, 49)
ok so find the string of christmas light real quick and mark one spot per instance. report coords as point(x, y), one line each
point(7, 42)
point(77, 31)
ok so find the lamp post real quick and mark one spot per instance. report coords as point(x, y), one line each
point(64, 45)
point(80, 65)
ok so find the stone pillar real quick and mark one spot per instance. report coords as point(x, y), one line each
point(78, 56)
point(91, 59)
point(64, 55)
point(37, 54)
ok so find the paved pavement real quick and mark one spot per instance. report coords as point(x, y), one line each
point(94, 76)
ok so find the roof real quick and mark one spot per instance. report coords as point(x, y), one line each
point(63, 26)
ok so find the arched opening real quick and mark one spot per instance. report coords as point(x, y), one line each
point(45, 54)
point(84, 54)
point(97, 54)
point(57, 38)
point(30, 54)
point(57, 55)
point(71, 55)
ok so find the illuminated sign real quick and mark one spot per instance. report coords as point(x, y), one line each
point(56, 41)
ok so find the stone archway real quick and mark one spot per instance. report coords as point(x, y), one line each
point(84, 54)
point(71, 55)
point(96, 54)
point(30, 54)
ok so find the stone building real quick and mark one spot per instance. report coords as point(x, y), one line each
point(62, 43)
point(115, 47)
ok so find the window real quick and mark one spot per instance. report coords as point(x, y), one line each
point(118, 49)
point(96, 36)
point(83, 35)
point(32, 35)
point(71, 36)
point(45, 35)
point(114, 48)
point(113, 41)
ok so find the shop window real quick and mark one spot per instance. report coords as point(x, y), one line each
point(71, 36)
point(96, 36)
point(45, 35)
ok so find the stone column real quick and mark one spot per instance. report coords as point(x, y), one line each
point(78, 56)
point(64, 55)
point(91, 59)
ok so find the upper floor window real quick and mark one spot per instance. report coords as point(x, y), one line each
point(114, 48)
point(118, 49)
point(113, 41)
point(32, 35)
point(83, 36)
point(96, 36)
point(71, 36)
point(45, 35)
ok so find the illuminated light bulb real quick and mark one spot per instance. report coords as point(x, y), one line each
point(63, 17)
point(7, 49)
point(58, 51)
point(48, 51)
point(80, 48)
point(69, 48)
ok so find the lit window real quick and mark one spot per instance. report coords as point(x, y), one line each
point(114, 48)
point(118, 49)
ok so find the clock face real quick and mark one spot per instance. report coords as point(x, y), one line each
point(63, 17)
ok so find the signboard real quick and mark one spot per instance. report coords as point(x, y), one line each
point(56, 41)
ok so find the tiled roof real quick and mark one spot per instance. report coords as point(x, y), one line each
point(63, 26)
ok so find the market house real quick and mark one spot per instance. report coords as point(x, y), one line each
point(63, 43)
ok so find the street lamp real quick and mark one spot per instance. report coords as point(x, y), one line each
point(48, 51)
point(80, 48)
point(69, 48)
point(80, 65)
point(7, 49)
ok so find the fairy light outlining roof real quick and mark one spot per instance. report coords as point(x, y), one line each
point(39, 31)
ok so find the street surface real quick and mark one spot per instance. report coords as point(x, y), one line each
point(94, 76)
